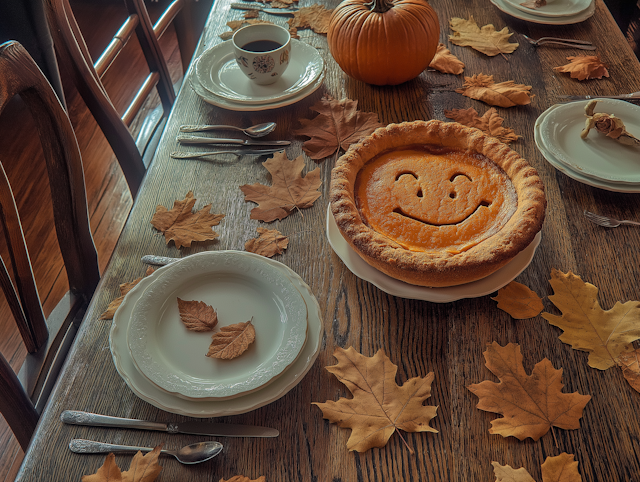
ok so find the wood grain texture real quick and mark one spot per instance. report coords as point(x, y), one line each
point(418, 336)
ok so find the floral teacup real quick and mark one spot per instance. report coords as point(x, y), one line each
point(262, 52)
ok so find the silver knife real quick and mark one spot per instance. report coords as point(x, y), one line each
point(273, 11)
point(633, 95)
point(75, 417)
point(237, 152)
point(217, 140)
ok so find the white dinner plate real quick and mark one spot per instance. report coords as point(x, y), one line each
point(509, 9)
point(150, 393)
point(597, 156)
point(395, 287)
point(218, 72)
point(553, 8)
point(240, 288)
point(578, 176)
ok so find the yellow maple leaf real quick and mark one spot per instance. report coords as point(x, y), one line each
point(503, 94)
point(143, 468)
point(561, 468)
point(519, 301)
point(379, 406)
point(487, 39)
point(586, 326)
point(583, 67)
point(444, 61)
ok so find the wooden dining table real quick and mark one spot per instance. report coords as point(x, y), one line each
point(420, 337)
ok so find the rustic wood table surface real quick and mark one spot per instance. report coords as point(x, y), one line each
point(447, 339)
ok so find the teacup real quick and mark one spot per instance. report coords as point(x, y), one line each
point(262, 52)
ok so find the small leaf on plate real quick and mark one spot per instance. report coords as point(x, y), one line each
point(197, 315)
point(232, 341)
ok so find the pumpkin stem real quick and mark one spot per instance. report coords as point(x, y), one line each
point(379, 6)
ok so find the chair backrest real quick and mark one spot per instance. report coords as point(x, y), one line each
point(23, 395)
point(74, 58)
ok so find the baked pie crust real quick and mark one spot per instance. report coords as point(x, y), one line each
point(436, 203)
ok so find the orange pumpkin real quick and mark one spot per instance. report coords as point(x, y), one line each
point(383, 42)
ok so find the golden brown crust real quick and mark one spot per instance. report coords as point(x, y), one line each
point(439, 268)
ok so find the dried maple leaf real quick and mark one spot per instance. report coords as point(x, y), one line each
point(197, 315)
point(288, 190)
point(561, 468)
point(124, 289)
point(530, 404)
point(504, 94)
point(338, 124)
point(490, 123)
point(630, 363)
point(143, 468)
point(316, 17)
point(232, 340)
point(242, 478)
point(237, 24)
point(586, 326)
point(182, 226)
point(269, 243)
point(379, 406)
point(519, 301)
point(445, 61)
point(584, 67)
point(487, 39)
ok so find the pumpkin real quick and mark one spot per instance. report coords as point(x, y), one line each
point(383, 42)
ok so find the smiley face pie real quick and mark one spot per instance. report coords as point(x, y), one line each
point(436, 204)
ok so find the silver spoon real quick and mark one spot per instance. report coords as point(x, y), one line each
point(259, 130)
point(190, 454)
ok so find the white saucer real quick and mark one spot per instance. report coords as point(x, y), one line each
point(398, 288)
point(553, 8)
point(150, 393)
point(240, 288)
point(597, 156)
point(509, 9)
point(217, 71)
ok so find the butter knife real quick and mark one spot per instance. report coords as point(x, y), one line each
point(154, 260)
point(237, 152)
point(633, 95)
point(218, 140)
point(75, 417)
point(273, 11)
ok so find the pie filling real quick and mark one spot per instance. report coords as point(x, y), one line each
point(430, 198)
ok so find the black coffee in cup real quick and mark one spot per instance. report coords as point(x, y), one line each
point(261, 46)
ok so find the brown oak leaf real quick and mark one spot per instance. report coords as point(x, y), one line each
point(182, 226)
point(197, 315)
point(288, 190)
point(584, 67)
point(519, 301)
point(143, 468)
point(630, 363)
point(379, 406)
point(490, 123)
point(232, 340)
point(444, 61)
point(504, 94)
point(124, 289)
point(487, 39)
point(316, 17)
point(530, 404)
point(586, 326)
point(269, 243)
point(561, 468)
point(242, 478)
point(338, 124)
point(237, 24)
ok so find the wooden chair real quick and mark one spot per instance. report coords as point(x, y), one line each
point(75, 59)
point(22, 395)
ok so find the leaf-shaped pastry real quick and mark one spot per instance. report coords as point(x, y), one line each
point(269, 243)
point(503, 94)
point(519, 301)
point(197, 315)
point(583, 67)
point(444, 61)
point(530, 404)
point(487, 39)
point(490, 123)
point(232, 341)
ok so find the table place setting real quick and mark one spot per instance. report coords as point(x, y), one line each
point(555, 12)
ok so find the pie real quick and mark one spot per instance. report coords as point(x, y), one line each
point(436, 203)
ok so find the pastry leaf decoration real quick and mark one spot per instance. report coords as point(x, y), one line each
point(487, 39)
point(504, 94)
point(197, 315)
point(232, 341)
point(530, 404)
point(379, 406)
point(445, 62)
point(490, 123)
point(143, 468)
point(288, 190)
point(519, 301)
point(269, 243)
point(583, 67)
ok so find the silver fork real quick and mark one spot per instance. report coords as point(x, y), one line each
point(577, 44)
point(606, 221)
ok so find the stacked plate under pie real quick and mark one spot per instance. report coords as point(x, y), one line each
point(551, 12)
point(164, 363)
point(218, 80)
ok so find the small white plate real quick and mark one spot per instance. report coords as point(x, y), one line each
point(509, 9)
point(217, 71)
point(554, 8)
point(395, 287)
point(239, 288)
point(597, 156)
point(150, 393)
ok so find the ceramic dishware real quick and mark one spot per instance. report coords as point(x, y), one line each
point(262, 51)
